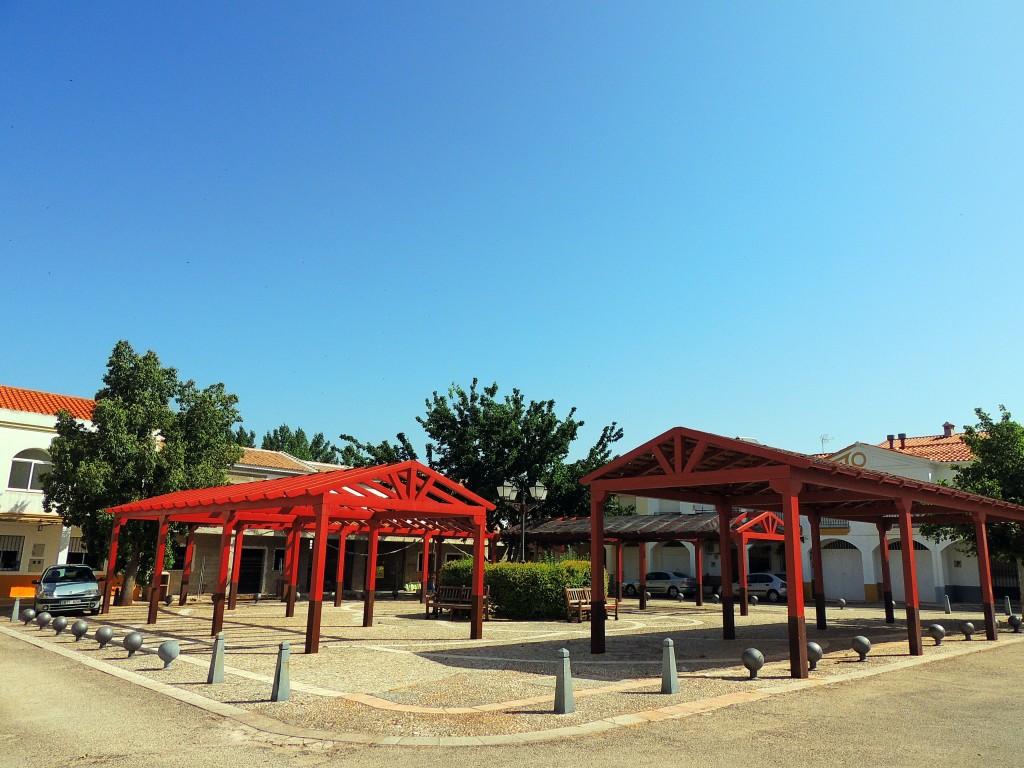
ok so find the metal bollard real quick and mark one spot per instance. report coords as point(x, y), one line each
point(1009, 608)
point(216, 674)
point(669, 676)
point(282, 690)
point(16, 609)
point(565, 701)
point(949, 608)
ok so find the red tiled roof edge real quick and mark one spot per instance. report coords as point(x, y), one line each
point(47, 403)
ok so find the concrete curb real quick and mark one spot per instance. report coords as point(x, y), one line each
point(672, 712)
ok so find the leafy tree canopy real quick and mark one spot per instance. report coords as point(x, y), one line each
point(150, 434)
point(300, 446)
point(483, 440)
point(997, 471)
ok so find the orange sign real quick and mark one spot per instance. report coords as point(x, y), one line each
point(23, 591)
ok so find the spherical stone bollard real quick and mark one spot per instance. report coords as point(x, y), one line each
point(892, 604)
point(861, 645)
point(647, 595)
point(131, 643)
point(753, 660)
point(715, 598)
point(842, 603)
point(753, 599)
point(1015, 622)
point(43, 619)
point(168, 599)
point(104, 635)
point(814, 654)
point(79, 628)
point(168, 652)
point(679, 597)
point(59, 624)
point(28, 615)
point(936, 632)
point(968, 629)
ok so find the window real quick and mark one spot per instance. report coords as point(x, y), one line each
point(278, 559)
point(10, 552)
point(79, 555)
point(28, 470)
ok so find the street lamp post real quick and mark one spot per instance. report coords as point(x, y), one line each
point(522, 499)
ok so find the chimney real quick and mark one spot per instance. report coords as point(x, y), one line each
point(947, 429)
point(891, 439)
point(903, 440)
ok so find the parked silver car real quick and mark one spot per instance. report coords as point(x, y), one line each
point(671, 583)
point(770, 586)
point(68, 588)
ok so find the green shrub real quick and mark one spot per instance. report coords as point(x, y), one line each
point(523, 591)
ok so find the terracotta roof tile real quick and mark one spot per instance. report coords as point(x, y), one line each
point(259, 457)
point(33, 401)
point(933, 448)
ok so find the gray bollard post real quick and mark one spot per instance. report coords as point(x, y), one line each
point(669, 677)
point(16, 610)
point(565, 702)
point(217, 661)
point(1009, 608)
point(282, 690)
point(949, 608)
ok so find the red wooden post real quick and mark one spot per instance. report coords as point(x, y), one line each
point(236, 567)
point(339, 576)
point(597, 596)
point(425, 569)
point(476, 631)
point(741, 561)
point(818, 570)
point(316, 582)
point(910, 578)
point(108, 583)
point(698, 566)
point(618, 571)
point(286, 573)
point(293, 575)
point(370, 584)
point(186, 571)
point(438, 546)
point(724, 509)
point(223, 569)
point(158, 570)
point(985, 576)
point(642, 556)
point(789, 489)
point(883, 556)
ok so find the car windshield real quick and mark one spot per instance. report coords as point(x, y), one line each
point(71, 573)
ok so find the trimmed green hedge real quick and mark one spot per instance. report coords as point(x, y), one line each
point(523, 590)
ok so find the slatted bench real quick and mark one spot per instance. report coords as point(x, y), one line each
point(577, 602)
point(454, 599)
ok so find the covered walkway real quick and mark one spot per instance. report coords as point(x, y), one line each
point(692, 466)
point(405, 499)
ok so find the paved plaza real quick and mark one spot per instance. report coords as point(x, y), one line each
point(411, 681)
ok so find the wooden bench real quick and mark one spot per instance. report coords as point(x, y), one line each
point(454, 599)
point(577, 601)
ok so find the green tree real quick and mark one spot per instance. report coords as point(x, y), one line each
point(245, 438)
point(996, 471)
point(483, 440)
point(299, 445)
point(138, 446)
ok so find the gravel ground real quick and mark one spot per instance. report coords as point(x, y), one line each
point(367, 679)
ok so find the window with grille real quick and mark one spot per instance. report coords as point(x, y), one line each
point(28, 470)
point(10, 552)
point(79, 555)
point(834, 522)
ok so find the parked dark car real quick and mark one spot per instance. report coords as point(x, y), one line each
point(68, 588)
point(671, 583)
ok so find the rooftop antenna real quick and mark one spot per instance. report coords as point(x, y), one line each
point(825, 438)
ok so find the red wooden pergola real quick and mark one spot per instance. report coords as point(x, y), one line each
point(688, 465)
point(405, 499)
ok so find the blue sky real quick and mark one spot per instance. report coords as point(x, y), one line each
point(772, 220)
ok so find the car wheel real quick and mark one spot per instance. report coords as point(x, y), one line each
point(773, 596)
point(673, 592)
point(630, 590)
point(94, 611)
